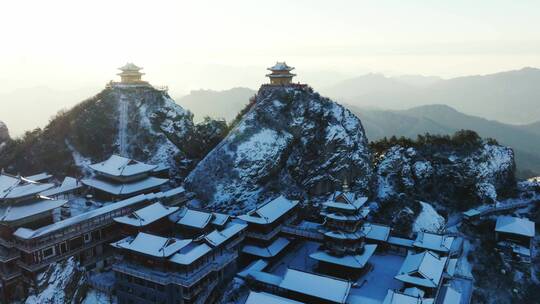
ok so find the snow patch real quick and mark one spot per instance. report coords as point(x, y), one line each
point(428, 220)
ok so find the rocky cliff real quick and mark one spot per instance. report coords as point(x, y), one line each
point(290, 140)
point(458, 172)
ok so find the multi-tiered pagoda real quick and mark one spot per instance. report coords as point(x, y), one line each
point(345, 251)
point(281, 74)
point(131, 74)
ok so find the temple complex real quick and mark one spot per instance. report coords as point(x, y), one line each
point(281, 74)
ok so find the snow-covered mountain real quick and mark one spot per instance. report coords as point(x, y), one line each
point(139, 122)
point(291, 140)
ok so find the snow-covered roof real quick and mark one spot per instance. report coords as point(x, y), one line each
point(39, 177)
point(220, 219)
point(358, 261)
point(422, 269)
point(69, 184)
point(124, 188)
point(269, 251)
point(120, 166)
point(400, 242)
point(376, 232)
point(7, 182)
point(267, 298)
point(515, 225)
point(265, 277)
point(270, 211)
point(25, 233)
point(448, 295)
point(146, 215)
point(13, 187)
point(152, 245)
point(258, 265)
point(190, 253)
point(433, 241)
point(15, 212)
point(129, 67)
point(342, 235)
point(280, 66)
point(195, 219)
point(28, 189)
point(395, 297)
point(323, 287)
point(216, 238)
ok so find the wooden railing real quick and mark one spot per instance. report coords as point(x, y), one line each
point(183, 279)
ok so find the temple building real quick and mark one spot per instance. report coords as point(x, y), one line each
point(20, 205)
point(514, 237)
point(264, 226)
point(193, 222)
point(131, 74)
point(422, 270)
point(120, 177)
point(156, 269)
point(281, 74)
point(345, 251)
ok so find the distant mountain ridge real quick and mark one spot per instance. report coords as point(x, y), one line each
point(442, 119)
point(510, 97)
point(219, 104)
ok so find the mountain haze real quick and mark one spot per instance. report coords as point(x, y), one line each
point(510, 97)
point(219, 104)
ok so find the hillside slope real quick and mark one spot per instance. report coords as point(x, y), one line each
point(139, 122)
point(291, 141)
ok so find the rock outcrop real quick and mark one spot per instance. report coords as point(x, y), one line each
point(291, 141)
point(445, 175)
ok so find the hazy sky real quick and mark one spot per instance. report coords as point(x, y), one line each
point(219, 44)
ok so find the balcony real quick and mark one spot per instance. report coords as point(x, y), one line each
point(10, 255)
point(10, 274)
point(183, 279)
point(44, 263)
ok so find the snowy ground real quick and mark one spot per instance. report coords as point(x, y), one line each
point(96, 297)
point(297, 258)
point(373, 286)
point(428, 220)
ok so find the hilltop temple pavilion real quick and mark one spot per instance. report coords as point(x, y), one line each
point(131, 74)
point(281, 74)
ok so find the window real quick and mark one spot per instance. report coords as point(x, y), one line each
point(48, 252)
point(87, 238)
point(63, 247)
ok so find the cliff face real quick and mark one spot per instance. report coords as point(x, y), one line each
point(291, 141)
point(138, 122)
